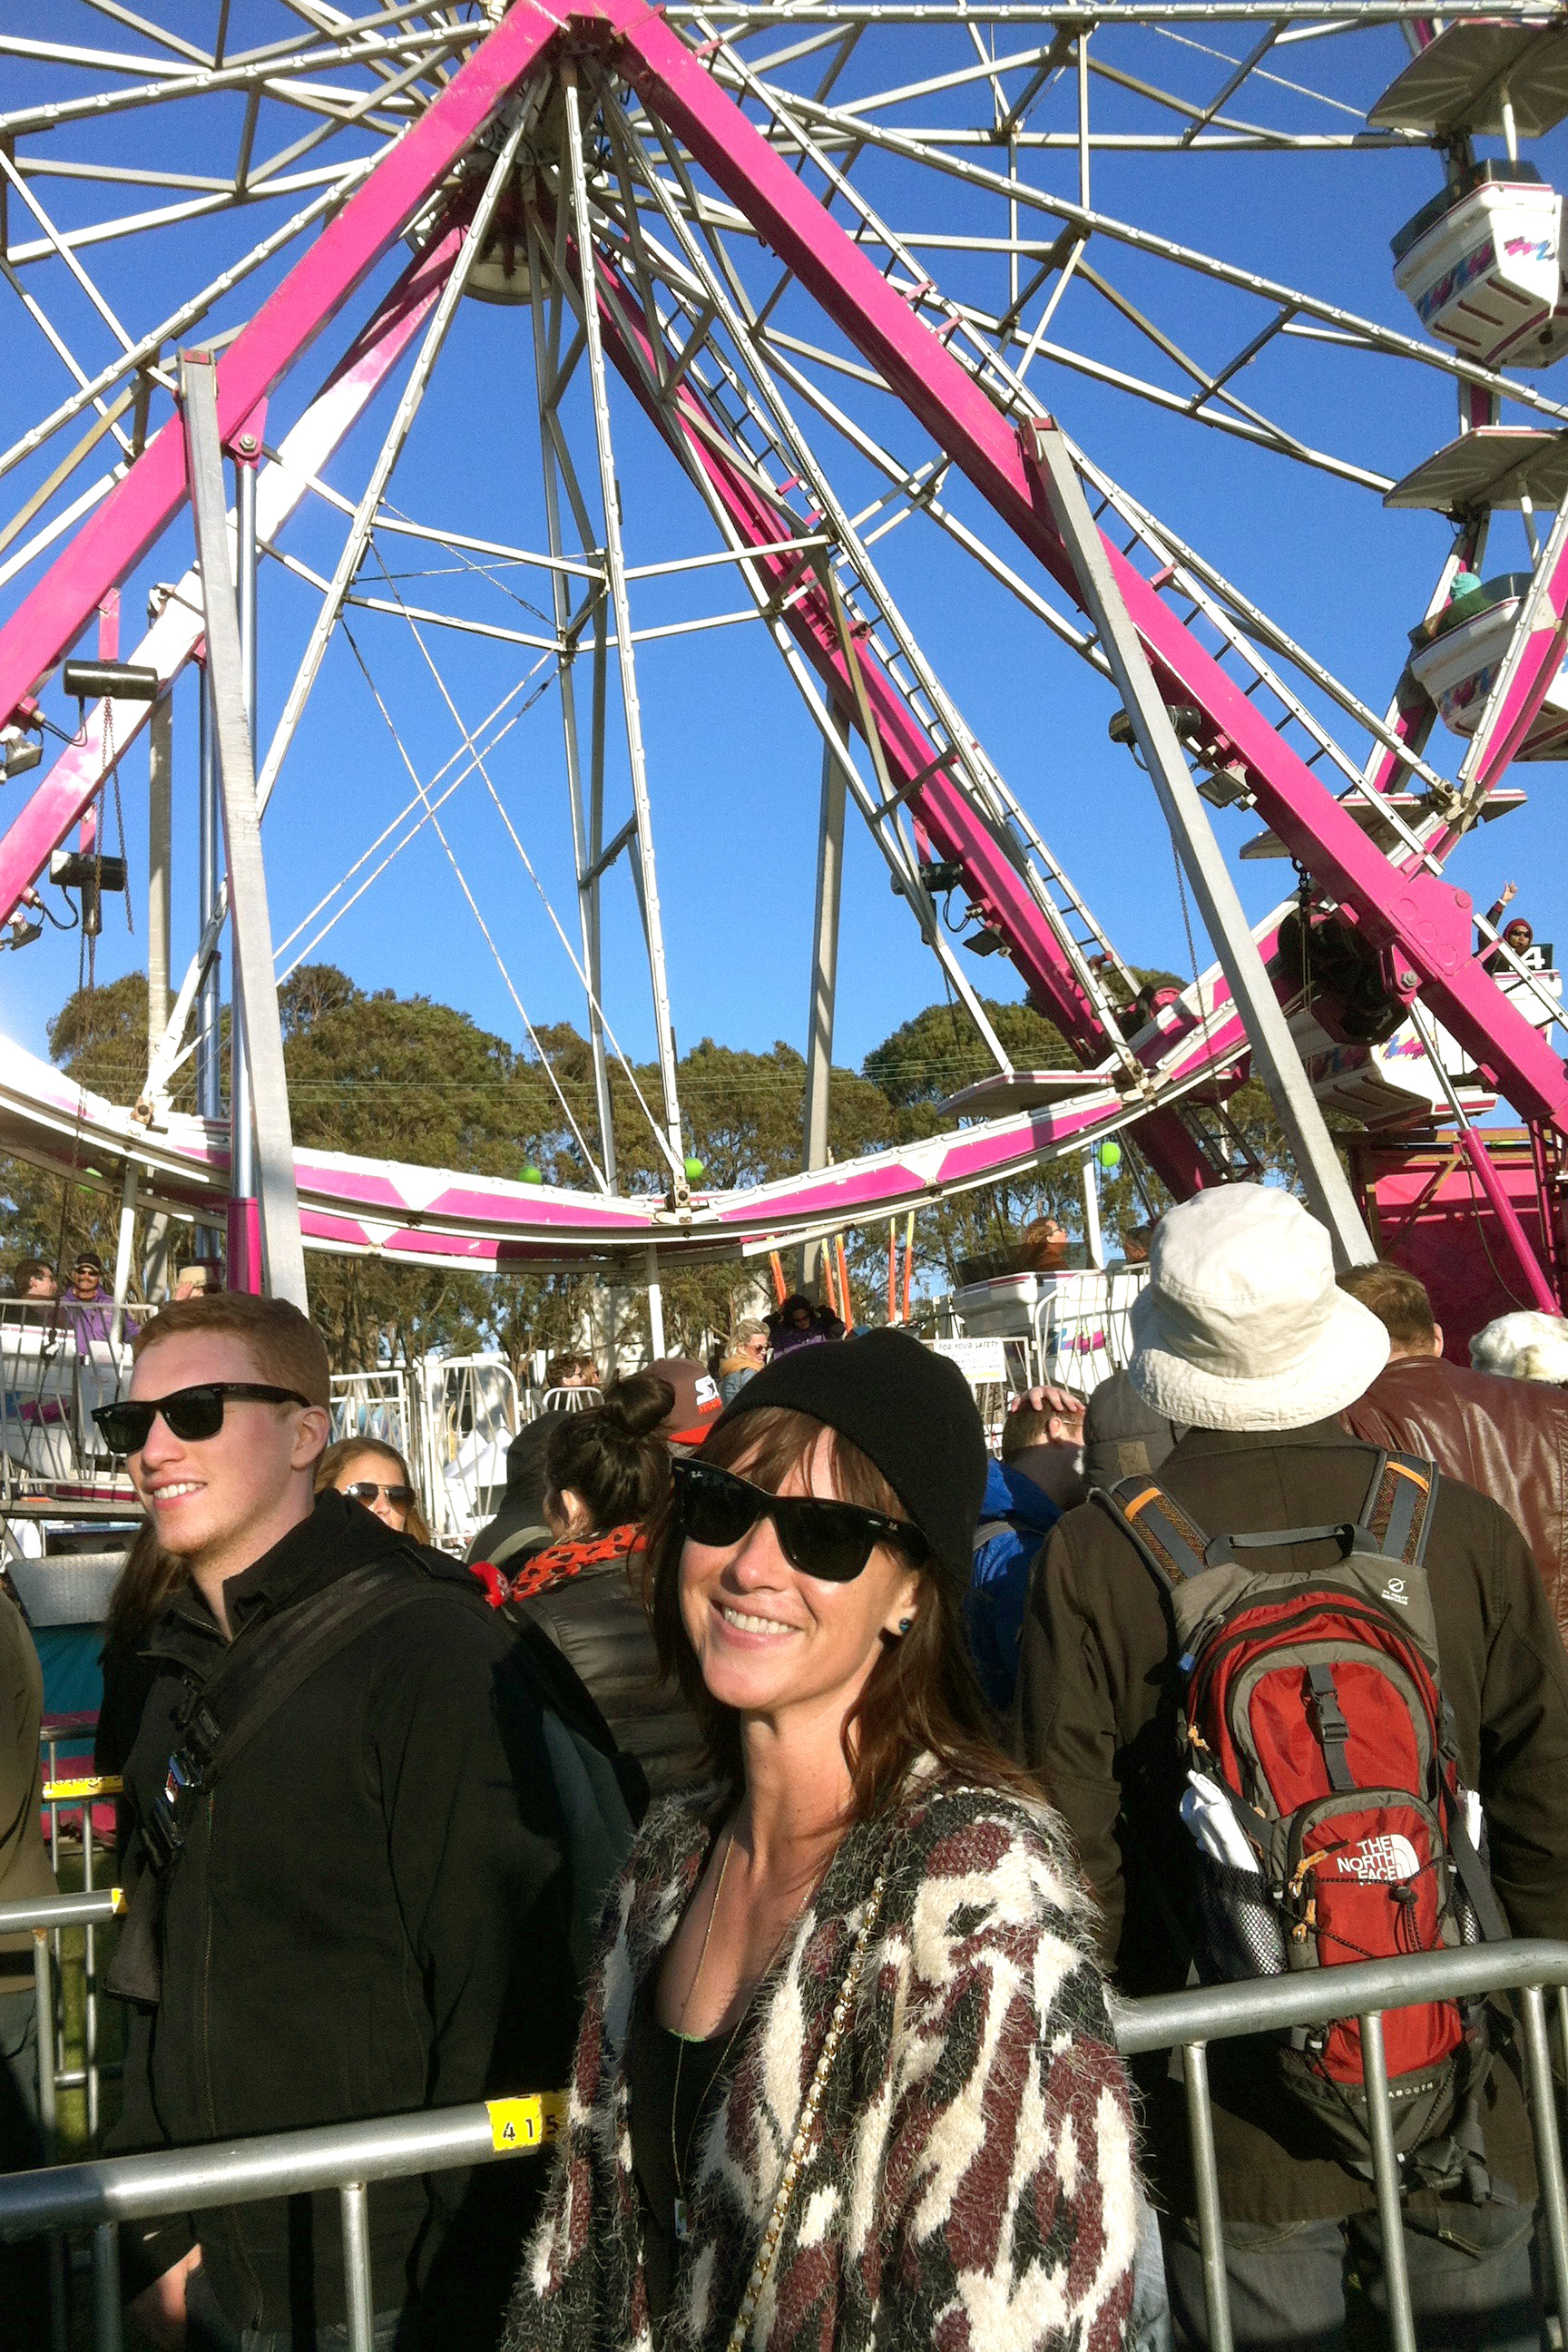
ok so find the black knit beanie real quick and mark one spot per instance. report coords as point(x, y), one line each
point(909, 1412)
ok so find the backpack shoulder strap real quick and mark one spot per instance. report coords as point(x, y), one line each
point(1397, 1513)
point(1169, 1539)
point(294, 1646)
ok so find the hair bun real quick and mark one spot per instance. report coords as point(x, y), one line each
point(637, 1403)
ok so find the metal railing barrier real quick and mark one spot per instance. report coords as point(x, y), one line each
point(101, 2194)
point(1366, 1991)
point(76, 1790)
point(46, 1917)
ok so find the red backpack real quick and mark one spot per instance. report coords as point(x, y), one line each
point(1324, 1799)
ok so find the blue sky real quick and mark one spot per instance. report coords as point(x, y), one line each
point(734, 760)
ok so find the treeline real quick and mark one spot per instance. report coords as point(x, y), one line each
point(407, 1078)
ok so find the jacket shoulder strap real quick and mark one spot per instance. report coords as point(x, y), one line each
point(1169, 1539)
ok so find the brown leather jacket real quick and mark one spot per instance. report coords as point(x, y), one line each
point(1508, 1438)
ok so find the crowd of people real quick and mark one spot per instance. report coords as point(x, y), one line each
point(794, 1781)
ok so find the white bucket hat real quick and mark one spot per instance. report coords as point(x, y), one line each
point(1242, 1324)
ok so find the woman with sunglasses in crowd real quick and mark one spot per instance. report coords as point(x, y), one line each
point(845, 2077)
point(371, 1472)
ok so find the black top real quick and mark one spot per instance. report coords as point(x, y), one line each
point(674, 2086)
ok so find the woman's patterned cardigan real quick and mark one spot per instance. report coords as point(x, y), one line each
point(971, 2184)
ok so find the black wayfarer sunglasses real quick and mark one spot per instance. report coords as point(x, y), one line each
point(827, 1539)
point(365, 1490)
point(191, 1414)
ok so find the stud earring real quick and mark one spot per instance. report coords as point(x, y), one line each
point(904, 1624)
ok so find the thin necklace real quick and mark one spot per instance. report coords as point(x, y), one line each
point(682, 2224)
point(682, 2216)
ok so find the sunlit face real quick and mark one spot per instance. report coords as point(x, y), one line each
point(772, 1641)
point(1519, 937)
point(84, 1281)
point(373, 1469)
point(223, 1501)
point(43, 1286)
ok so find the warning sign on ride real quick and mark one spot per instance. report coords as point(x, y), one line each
point(980, 1360)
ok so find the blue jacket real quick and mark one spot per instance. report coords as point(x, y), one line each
point(1014, 1519)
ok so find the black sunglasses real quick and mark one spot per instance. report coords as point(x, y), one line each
point(191, 1414)
point(826, 1540)
point(365, 1490)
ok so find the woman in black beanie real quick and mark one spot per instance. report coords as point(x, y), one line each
point(845, 2077)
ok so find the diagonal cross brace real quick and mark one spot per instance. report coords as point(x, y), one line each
point(51, 617)
point(913, 763)
point(171, 642)
point(1327, 1188)
point(254, 982)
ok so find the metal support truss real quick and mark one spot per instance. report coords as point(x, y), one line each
point(911, 773)
point(586, 807)
point(824, 976)
point(1426, 918)
point(358, 538)
point(254, 986)
point(616, 571)
point(1317, 1163)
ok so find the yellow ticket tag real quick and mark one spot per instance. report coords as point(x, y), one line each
point(517, 2124)
point(69, 1792)
point(117, 1896)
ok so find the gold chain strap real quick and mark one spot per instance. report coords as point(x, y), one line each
point(806, 2126)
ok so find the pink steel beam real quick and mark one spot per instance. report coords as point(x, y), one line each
point(49, 620)
point(1539, 663)
point(1473, 1145)
point(1427, 919)
point(936, 799)
point(70, 788)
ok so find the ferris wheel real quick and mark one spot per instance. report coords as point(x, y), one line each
point(846, 260)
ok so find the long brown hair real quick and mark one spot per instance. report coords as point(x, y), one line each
point(148, 1580)
point(415, 1525)
point(922, 1695)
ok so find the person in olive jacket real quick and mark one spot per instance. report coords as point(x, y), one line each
point(370, 1909)
point(1243, 1337)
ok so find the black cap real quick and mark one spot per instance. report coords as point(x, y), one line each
point(908, 1412)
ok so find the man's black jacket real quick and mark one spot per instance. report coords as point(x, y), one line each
point(370, 1915)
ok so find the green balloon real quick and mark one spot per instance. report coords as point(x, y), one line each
point(530, 1175)
point(1109, 1156)
point(695, 1169)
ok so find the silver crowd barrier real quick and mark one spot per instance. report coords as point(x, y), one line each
point(1189, 2022)
point(46, 1919)
point(98, 2195)
point(72, 1788)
